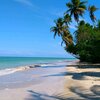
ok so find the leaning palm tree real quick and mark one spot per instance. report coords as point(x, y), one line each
point(58, 28)
point(67, 38)
point(76, 8)
point(92, 9)
point(61, 30)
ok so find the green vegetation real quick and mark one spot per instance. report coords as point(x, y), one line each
point(84, 43)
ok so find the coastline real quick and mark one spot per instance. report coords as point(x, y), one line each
point(11, 70)
point(52, 83)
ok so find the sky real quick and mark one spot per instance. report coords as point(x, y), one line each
point(25, 27)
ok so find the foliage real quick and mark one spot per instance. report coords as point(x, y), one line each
point(85, 45)
point(61, 29)
point(76, 8)
point(88, 43)
point(92, 9)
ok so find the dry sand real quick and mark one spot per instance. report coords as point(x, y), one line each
point(58, 83)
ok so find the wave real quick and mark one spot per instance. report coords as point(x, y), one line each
point(22, 68)
point(11, 70)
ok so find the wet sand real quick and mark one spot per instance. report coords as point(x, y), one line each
point(52, 83)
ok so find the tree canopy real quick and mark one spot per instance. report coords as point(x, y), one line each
point(84, 43)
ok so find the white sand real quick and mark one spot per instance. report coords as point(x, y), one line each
point(56, 83)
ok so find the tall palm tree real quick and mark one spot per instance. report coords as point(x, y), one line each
point(92, 9)
point(76, 8)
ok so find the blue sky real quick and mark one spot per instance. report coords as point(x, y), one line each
point(25, 27)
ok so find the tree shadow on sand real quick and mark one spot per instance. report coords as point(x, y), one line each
point(79, 75)
point(87, 66)
point(80, 94)
point(42, 96)
point(92, 94)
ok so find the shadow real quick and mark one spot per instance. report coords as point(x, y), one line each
point(77, 76)
point(59, 74)
point(87, 94)
point(87, 66)
point(55, 66)
point(80, 76)
point(93, 93)
point(96, 89)
point(41, 96)
point(77, 66)
point(80, 94)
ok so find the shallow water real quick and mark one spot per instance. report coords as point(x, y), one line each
point(10, 65)
point(11, 62)
point(28, 77)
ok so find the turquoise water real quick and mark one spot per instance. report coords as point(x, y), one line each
point(11, 62)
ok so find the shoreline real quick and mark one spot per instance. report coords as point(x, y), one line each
point(11, 70)
point(52, 83)
point(8, 71)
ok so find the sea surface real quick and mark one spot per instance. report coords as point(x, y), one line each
point(12, 64)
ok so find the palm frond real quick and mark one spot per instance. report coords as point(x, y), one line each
point(69, 5)
point(83, 2)
point(76, 2)
point(91, 10)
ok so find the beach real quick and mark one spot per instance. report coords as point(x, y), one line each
point(49, 50)
point(61, 82)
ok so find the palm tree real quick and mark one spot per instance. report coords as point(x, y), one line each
point(92, 9)
point(67, 38)
point(61, 30)
point(76, 8)
point(58, 28)
point(67, 19)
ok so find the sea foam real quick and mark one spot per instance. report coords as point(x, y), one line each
point(13, 70)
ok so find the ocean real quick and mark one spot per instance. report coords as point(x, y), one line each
point(11, 64)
